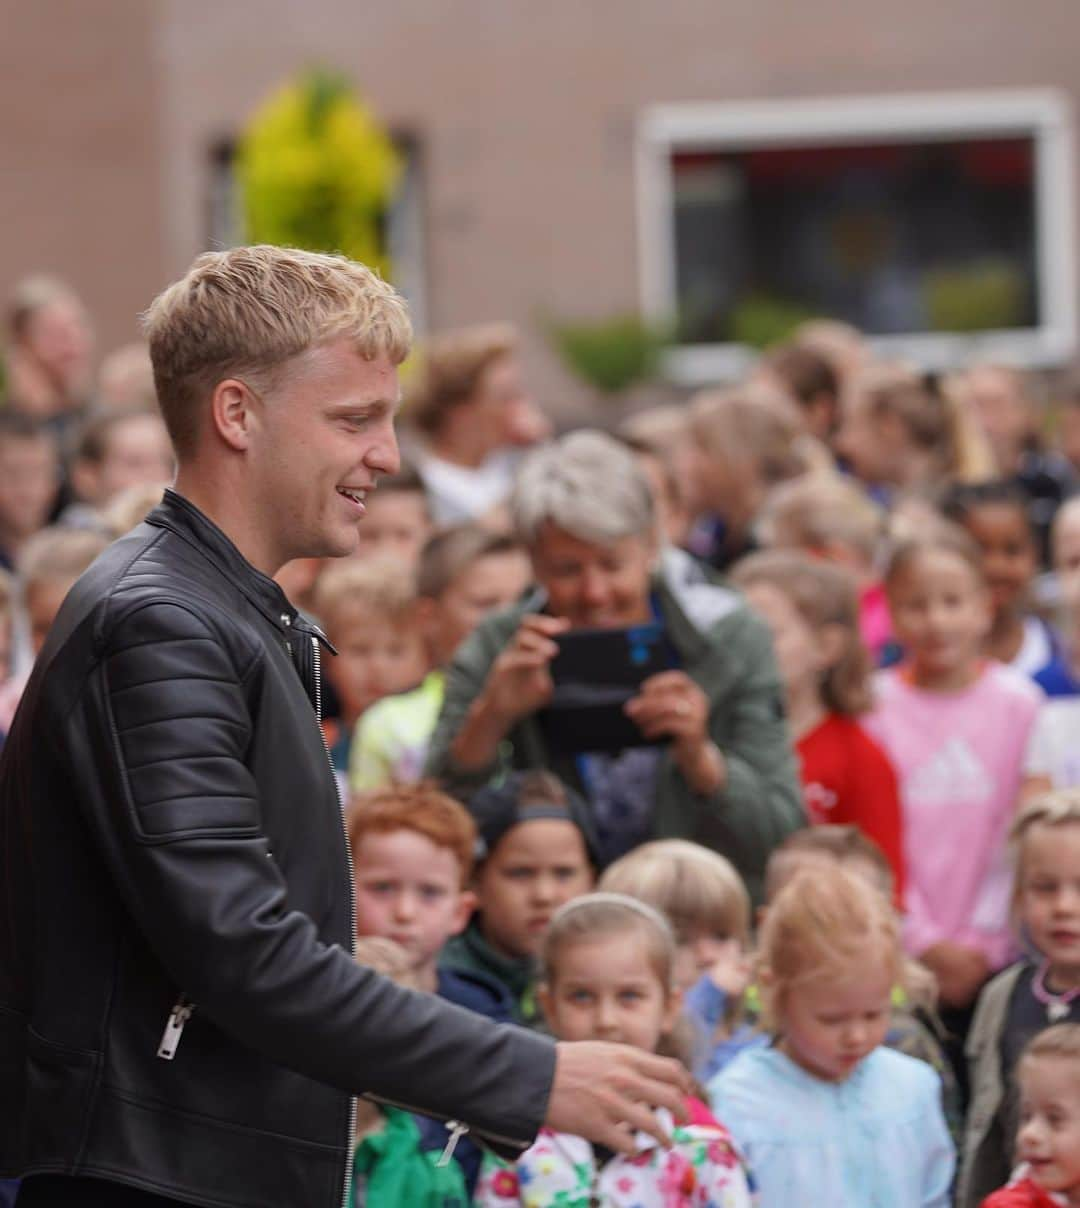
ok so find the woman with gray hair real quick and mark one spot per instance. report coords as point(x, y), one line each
point(714, 762)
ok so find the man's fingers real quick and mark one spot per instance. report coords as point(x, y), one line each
point(638, 1118)
point(665, 1072)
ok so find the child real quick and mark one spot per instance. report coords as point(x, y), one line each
point(117, 450)
point(413, 849)
point(1031, 994)
point(464, 573)
point(995, 514)
point(392, 1167)
point(1049, 1137)
point(914, 1026)
point(956, 728)
point(49, 564)
point(827, 1115)
point(368, 609)
point(833, 518)
point(811, 608)
point(537, 852)
point(609, 975)
point(397, 519)
point(701, 895)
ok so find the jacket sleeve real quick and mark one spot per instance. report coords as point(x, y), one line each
point(760, 803)
point(163, 720)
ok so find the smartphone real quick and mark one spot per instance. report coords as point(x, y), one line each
point(595, 673)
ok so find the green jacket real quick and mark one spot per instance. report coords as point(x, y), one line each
point(391, 1171)
point(727, 651)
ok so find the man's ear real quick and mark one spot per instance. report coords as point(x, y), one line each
point(466, 905)
point(234, 413)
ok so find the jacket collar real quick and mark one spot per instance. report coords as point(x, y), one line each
point(182, 517)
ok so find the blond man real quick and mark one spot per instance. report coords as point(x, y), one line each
point(181, 1020)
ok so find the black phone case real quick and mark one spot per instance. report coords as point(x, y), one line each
point(595, 673)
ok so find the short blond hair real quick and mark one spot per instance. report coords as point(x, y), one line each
point(693, 887)
point(56, 555)
point(824, 922)
point(249, 310)
point(351, 591)
point(1062, 1040)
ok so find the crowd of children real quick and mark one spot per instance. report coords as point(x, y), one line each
point(889, 1015)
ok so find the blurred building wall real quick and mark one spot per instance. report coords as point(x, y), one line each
point(523, 115)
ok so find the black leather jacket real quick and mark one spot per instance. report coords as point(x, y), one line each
point(172, 853)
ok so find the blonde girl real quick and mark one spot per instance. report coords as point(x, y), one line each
point(1040, 990)
point(703, 898)
point(812, 610)
point(608, 969)
point(827, 1115)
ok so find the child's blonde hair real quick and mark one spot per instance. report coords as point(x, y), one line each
point(817, 511)
point(604, 915)
point(353, 590)
point(692, 887)
point(1060, 1041)
point(823, 594)
point(57, 555)
point(823, 922)
point(1057, 807)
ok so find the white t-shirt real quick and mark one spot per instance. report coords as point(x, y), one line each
point(459, 493)
point(1054, 750)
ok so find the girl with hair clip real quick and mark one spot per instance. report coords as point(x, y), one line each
point(827, 1114)
point(703, 898)
point(1024, 1000)
point(812, 609)
point(608, 974)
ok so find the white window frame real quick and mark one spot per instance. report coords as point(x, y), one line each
point(1040, 113)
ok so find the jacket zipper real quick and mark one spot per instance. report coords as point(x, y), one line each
point(174, 1028)
point(317, 668)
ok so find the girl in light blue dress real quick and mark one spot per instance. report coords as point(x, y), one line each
point(826, 1114)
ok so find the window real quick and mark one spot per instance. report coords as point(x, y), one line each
point(942, 226)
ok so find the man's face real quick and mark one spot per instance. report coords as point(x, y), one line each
point(320, 440)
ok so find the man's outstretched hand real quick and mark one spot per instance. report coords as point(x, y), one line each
point(607, 1092)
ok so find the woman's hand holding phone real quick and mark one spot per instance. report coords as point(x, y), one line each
point(670, 705)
